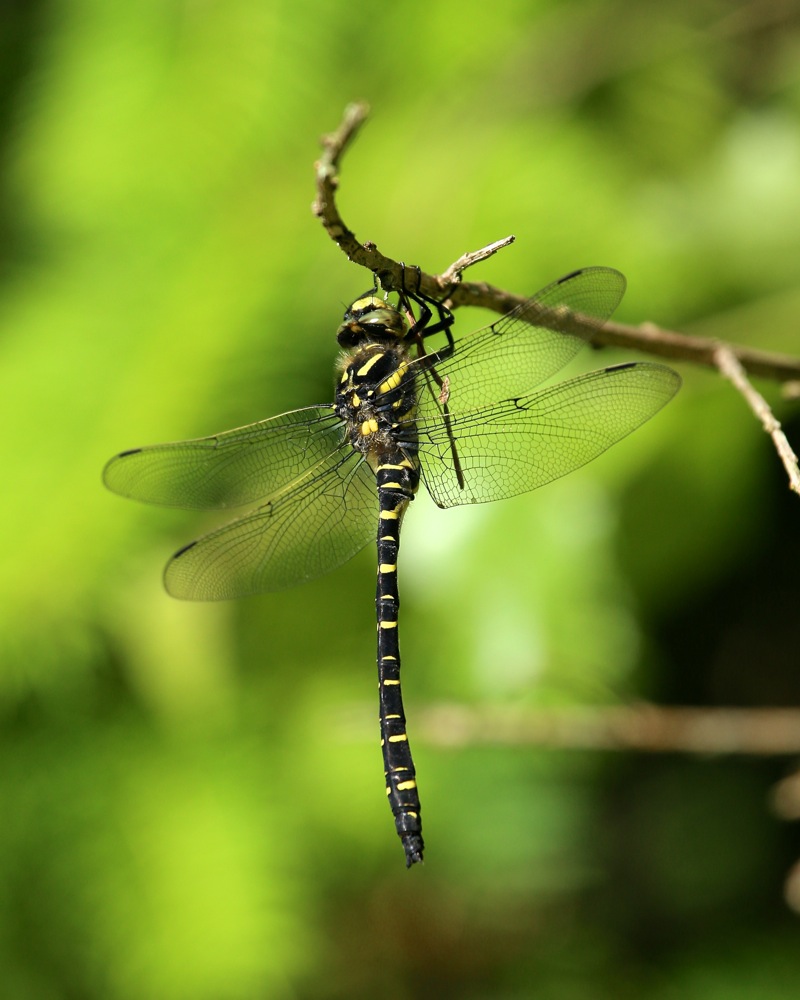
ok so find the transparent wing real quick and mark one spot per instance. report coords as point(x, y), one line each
point(227, 470)
point(302, 533)
point(520, 444)
point(525, 347)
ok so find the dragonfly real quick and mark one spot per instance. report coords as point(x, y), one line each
point(469, 420)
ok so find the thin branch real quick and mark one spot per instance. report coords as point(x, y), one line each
point(647, 337)
point(730, 367)
point(324, 207)
point(390, 273)
point(731, 359)
point(453, 273)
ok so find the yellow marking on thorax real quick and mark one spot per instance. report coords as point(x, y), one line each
point(369, 427)
point(392, 486)
point(389, 515)
point(370, 363)
point(356, 399)
point(394, 379)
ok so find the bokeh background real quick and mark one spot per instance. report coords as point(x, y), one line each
point(191, 795)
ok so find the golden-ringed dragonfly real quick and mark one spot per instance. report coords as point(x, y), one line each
point(464, 418)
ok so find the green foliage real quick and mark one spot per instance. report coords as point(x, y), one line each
point(185, 815)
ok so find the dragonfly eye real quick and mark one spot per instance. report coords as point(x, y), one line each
point(370, 318)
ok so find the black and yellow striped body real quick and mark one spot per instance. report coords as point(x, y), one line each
point(394, 485)
point(378, 402)
point(466, 418)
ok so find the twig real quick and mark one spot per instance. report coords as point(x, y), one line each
point(730, 367)
point(324, 206)
point(649, 338)
point(390, 273)
point(453, 273)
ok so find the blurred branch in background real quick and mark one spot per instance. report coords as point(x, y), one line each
point(730, 360)
point(644, 728)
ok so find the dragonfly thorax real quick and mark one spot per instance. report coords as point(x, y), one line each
point(377, 397)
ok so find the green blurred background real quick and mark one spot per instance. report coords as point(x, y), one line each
point(183, 814)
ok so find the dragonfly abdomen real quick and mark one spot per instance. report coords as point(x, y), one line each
point(397, 483)
point(378, 400)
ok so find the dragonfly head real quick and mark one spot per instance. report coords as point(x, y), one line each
point(371, 318)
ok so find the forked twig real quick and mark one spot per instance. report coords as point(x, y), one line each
point(731, 360)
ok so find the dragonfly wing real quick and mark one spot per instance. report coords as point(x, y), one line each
point(520, 444)
point(229, 469)
point(523, 348)
point(300, 534)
